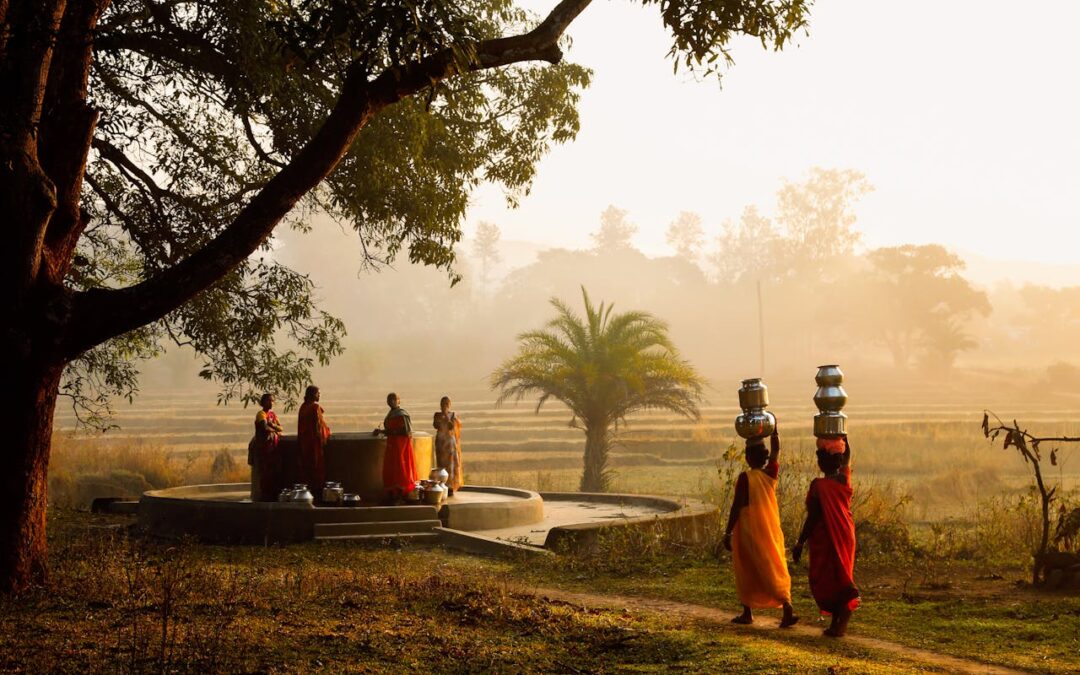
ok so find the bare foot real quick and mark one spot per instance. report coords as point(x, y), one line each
point(833, 632)
point(789, 621)
point(743, 620)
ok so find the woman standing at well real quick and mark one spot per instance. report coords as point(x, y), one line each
point(263, 454)
point(312, 434)
point(399, 465)
point(448, 443)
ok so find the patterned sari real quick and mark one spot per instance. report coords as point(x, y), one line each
point(448, 446)
point(264, 457)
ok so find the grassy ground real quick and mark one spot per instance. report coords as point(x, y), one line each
point(964, 609)
point(128, 605)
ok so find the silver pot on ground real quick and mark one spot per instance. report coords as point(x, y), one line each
point(351, 499)
point(435, 494)
point(333, 493)
point(301, 494)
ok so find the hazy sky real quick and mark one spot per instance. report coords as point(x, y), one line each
point(963, 115)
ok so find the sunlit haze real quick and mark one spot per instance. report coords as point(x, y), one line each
point(961, 114)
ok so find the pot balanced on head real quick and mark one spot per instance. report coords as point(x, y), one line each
point(830, 398)
point(755, 421)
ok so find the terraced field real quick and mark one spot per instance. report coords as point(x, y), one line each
point(934, 451)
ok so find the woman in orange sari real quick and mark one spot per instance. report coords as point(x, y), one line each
point(399, 465)
point(263, 454)
point(830, 531)
point(448, 444)
point(312, 433)
point(754, 537)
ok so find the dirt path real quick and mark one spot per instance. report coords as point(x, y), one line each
point(723, 618)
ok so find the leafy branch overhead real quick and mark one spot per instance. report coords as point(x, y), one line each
point(149, 148)
point(205, 102)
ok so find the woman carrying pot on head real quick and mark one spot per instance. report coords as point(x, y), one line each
point(263, 453)
point(399, 465)
point(830, 531)
point(448, 444)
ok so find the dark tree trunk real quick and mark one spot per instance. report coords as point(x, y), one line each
point(597, 443)
point(27, 403)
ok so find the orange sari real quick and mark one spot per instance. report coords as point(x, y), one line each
point(399, 465)
point(757, 547)
point(312, 433)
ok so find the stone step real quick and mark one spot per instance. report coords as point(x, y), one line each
point(413, 537)
point(371, 514)
point(380, 528)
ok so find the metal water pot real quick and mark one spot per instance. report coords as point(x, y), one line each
point(753, 394)
point(830, 398)
point(301, 494)
point(435, 494)
point(830, 424)
point(351, 499)
point(829, 375)
point(440, 474)
point(755, 423)
point(333, 493)
point(285, 495)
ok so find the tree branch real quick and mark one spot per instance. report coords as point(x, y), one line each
point(144, 181)
point(98, 314)
point(263, 155)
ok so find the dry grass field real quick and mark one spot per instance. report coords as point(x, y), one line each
point(945, 525)
point(925, 463)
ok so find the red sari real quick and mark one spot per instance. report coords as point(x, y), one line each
point(264, 457)
point(399, 465)
point(832, 544)
point(311, 434)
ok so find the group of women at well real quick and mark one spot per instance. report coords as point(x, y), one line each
point(273, 467)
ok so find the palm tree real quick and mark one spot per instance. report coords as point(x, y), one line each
point(604, 367)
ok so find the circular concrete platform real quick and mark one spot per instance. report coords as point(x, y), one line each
point(481, 516)
point(225, 513)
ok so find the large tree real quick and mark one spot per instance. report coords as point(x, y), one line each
point(915, 300)
point(149, 147)
point(604, 367)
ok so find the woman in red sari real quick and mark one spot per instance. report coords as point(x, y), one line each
point(399, 465)
point(312, 433)
point(830, 531)
point(263, 454)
